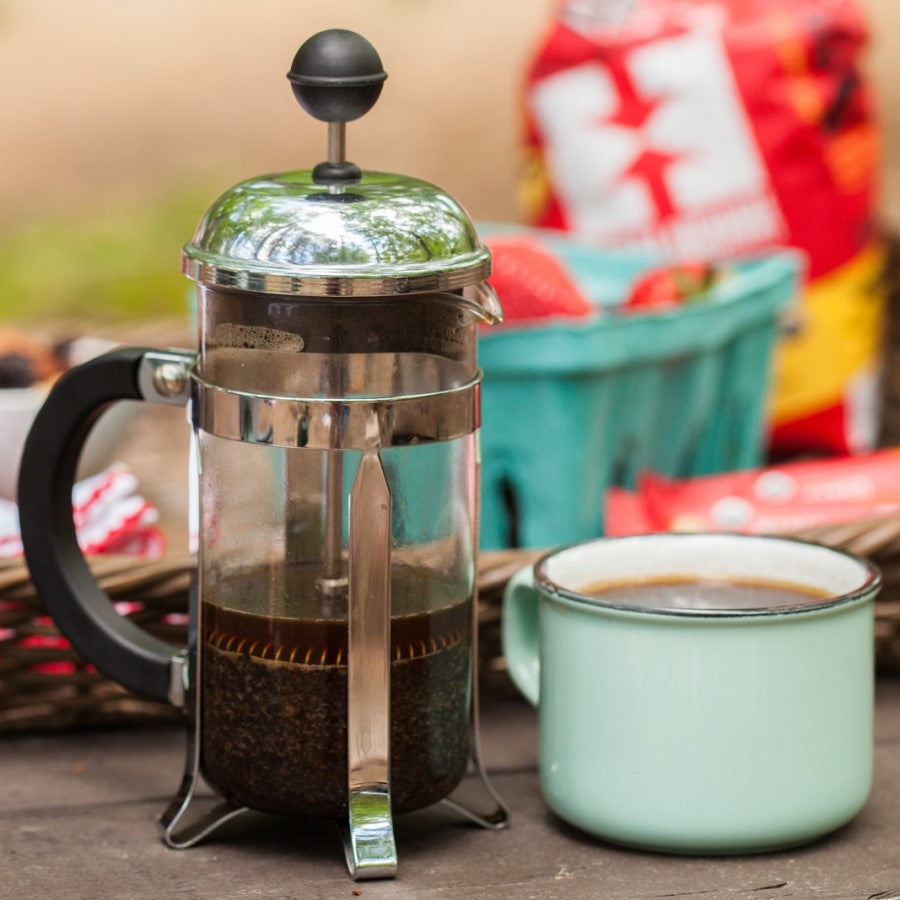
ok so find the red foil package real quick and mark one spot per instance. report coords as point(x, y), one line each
point(773, 500)
point(707, 129)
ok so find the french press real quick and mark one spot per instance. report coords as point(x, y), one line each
point(335, 402)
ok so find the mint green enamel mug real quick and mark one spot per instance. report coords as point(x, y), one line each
point(702, 694)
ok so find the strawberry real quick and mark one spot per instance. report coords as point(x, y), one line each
point(531, 282)
point(670, 286)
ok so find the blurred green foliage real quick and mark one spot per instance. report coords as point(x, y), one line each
point(120, 264)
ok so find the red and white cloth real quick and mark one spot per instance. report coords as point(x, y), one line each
point(110, 517)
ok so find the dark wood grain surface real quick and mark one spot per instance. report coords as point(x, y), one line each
point(78, 812)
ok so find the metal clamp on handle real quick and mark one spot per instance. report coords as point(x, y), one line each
point(68, 590)
point(164, 376)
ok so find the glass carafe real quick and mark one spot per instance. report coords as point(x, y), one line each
point(318, 387)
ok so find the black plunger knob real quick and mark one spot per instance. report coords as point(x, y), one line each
point(336, 77)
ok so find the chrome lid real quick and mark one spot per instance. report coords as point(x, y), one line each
point(334, 230)
point(383, 235)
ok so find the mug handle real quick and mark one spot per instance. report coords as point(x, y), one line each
point(82, 610)
point(519, 633)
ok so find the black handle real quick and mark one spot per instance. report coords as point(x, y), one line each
point(82, 611)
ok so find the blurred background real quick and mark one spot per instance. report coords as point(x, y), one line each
point(121, 122)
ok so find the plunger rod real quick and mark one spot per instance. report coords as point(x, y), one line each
point(334, 519)
point(333, 484)
point(337, 142)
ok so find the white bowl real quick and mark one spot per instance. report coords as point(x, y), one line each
point(19, 406)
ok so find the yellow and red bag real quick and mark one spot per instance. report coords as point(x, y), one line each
point(707, 129)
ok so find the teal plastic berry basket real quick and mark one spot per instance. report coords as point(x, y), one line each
point(574, 406)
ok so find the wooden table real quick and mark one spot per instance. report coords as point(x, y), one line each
point(78, 811)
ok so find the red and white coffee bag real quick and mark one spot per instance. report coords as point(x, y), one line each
point(706, 129)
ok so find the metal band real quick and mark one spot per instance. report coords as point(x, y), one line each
point(305, 422)
point(351, 284)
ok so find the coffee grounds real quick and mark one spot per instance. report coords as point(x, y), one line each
point(274, 717)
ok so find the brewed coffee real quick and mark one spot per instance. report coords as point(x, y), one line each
point(703, 594)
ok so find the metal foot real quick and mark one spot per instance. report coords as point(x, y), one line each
point(208, 814)
point(495, 819)
point(188, 818)
point(368, 837)
point(498, 816)
point(369, 843)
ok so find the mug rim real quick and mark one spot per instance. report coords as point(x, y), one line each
point(869, 587)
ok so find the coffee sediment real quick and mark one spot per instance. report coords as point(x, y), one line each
point(274, 716)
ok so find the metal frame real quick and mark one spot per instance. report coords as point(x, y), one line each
point(368, 425)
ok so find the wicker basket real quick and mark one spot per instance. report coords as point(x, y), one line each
point(44, 685)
